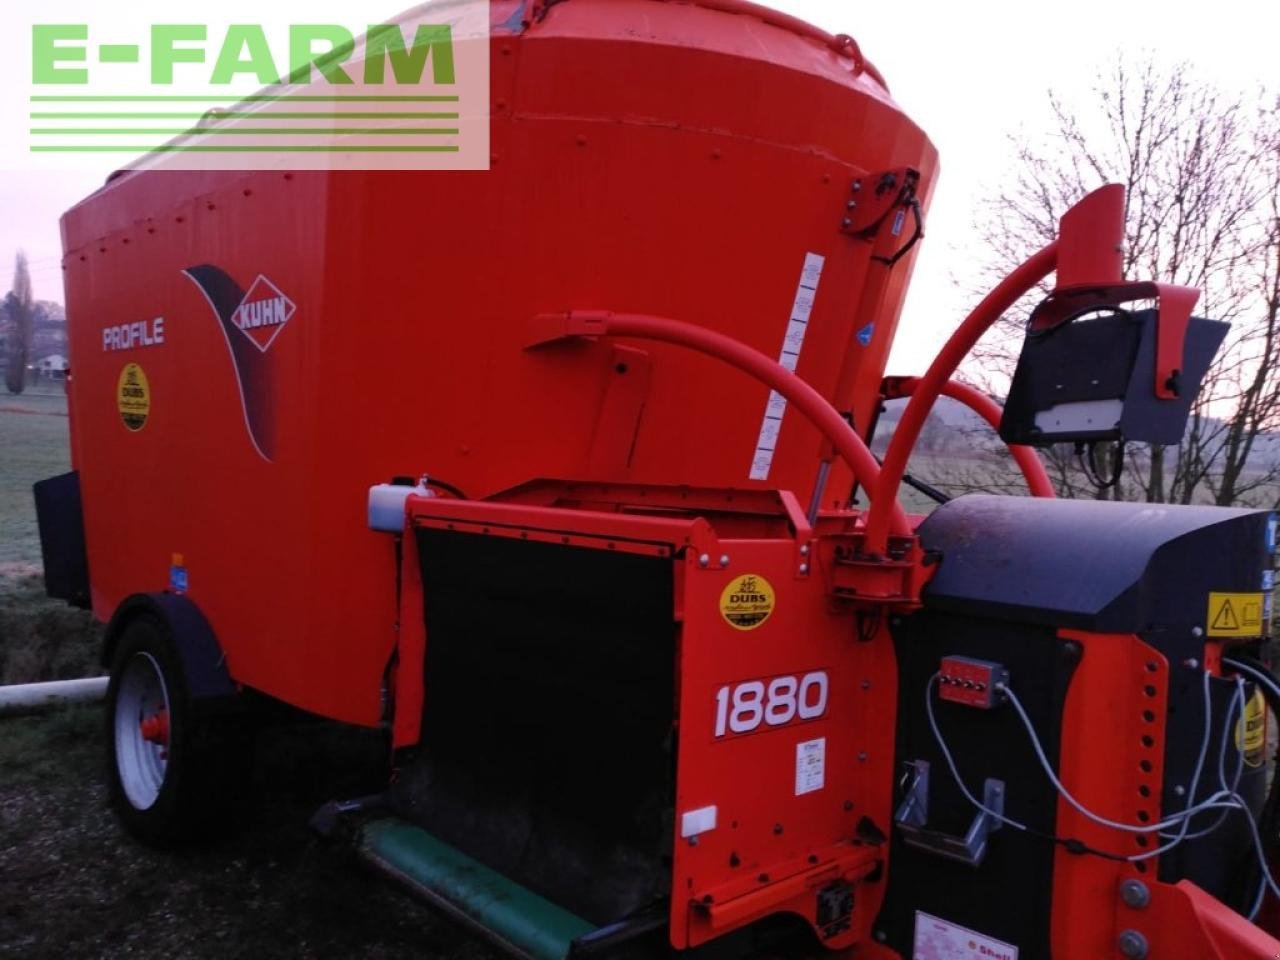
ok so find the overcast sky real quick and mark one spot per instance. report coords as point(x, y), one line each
point(971, 74)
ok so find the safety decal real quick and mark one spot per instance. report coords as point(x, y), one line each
point(811, 765)
point(133, 396)
point(1235, 615)
point(797, 326)
point(938, 939)
point(866, 333)
point(1251, 730)
point(747, 601)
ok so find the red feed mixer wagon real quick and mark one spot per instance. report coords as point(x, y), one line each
point(558, 473)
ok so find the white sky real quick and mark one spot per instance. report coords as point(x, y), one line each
point(970, 74)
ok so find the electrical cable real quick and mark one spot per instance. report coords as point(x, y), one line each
point(1089, 466)
point(951, 763)
point(1213, 802)
point(1257, 672)
point(1232, 801)
point(1237, 702)
point(1225, 800)
point(1070, 843)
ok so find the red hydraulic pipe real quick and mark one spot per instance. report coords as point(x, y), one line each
point(807, 400)
point(885, 493)
point(1028, 461)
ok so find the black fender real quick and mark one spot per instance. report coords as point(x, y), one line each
point(203, 662)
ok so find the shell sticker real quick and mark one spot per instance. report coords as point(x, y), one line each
point(133, 397)
point(747, 601)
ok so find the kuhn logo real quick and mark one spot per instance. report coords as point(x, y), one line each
point(263, 313)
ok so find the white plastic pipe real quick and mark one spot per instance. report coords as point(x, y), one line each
point(25, 698)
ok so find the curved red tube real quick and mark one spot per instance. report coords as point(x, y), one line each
point(1028, 461)
point(807, 400)
point(884, 498)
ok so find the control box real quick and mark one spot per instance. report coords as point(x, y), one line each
point(972, 682)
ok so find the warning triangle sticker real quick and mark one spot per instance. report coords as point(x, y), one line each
point(1226, 618)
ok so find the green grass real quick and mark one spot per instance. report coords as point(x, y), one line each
point(40, 639)
point(33, 446)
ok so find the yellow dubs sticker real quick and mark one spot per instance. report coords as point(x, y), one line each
point(747, 601)
point(1234, 615)
point(1251, 730)
point(133, 396)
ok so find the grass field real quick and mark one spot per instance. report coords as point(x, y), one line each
point(73, 885)
point(40, 639)
point(33, 445)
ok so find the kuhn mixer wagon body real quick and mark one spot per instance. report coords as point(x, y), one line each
point(652, 678)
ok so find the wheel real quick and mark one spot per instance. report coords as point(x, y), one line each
point(170, 771)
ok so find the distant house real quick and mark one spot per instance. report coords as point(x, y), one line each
point(52, 367)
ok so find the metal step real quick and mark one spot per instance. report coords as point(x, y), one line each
point(517, 918)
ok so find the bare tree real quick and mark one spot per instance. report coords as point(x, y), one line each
point(19, 305)
point(1202, 171)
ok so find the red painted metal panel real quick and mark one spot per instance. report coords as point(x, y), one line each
point(781, 833)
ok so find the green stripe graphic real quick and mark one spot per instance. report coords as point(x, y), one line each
point(257, 115)
point(200, 148)
point(253, 132)
point(258, 98)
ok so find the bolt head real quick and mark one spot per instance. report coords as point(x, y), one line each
point(704, 560)
point(804, 568)
point(1135, 894)
point(804, 550)
point(724, 559)
point(846, 223)
point(1132, 944)
point(1197, 632)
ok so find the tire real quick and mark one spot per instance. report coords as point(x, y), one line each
point(173, 772)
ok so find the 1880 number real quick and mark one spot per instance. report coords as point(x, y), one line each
point(743, 707)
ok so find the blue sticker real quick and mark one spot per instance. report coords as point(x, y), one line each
point(864, 338)
point(178, 579)
point(1268, 579)
point(1271, 533)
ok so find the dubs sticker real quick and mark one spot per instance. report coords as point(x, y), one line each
point(747, 601)
point(1251, 730)
point(133, 396)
